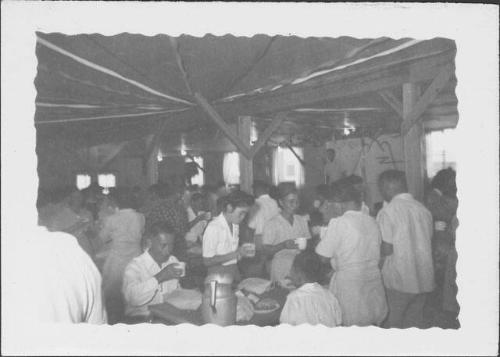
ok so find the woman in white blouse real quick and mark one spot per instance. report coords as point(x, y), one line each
point(221, 249)
point(281, 231)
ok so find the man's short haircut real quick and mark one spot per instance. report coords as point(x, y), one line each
point(158, 228)
point(286, 188)
point(345, 192)
point(309, 264)
point(394, 177)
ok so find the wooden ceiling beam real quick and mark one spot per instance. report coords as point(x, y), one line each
point(328, 89)
point(393, 102)
point(275, 123)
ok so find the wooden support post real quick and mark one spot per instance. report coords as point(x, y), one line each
point(418, 108)
point(246, 164)
point(152, 168)
point(262, 140)
point(243, 147)
point(413, 144)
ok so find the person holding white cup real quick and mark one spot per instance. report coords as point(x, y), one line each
point(282, 232)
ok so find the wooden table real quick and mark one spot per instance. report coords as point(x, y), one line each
point(170, 315)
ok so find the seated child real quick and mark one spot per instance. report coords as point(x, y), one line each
point(310, 302)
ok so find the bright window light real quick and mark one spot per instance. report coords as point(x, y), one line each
point(83, 181)
point(231, 168)
point(441, 149)
point(286, 167)
point(106, 180)
point(199, 179)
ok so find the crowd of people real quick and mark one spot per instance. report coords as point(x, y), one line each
point(357, 267)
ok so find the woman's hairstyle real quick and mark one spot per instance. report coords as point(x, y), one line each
point(345, 192)
point(235, 199)
point(444, 181)
point(286, 188)
point(309, 264)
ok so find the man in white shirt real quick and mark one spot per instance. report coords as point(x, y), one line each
point(150, 277)
point(61, 281)
point(407, 268)
point(333, 168)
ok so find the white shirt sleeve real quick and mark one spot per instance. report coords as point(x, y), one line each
point(138, 292)
point(210, 241)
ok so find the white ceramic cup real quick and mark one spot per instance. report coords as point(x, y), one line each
point(250, 248)
point(182, 265)
point(301, 242)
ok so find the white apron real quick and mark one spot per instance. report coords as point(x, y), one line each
point(359, 289)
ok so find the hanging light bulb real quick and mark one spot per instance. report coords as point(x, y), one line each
point(160, 156)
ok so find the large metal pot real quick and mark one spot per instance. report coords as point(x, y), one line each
point(219, 301)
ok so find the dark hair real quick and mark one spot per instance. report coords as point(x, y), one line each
point(309, 264)
point(123, 198)
point(444, 181)
point(354, 179)
point(393, 176)
point(286, 188)
point(331, 150)
point(323, 190)
point(345, 192)
point(158, 228)
point(235, 199)
point(274, 192)
point(197, 197)
point(259, 185)
point(162, 190)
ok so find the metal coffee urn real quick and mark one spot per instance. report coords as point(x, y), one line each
point(219, 301)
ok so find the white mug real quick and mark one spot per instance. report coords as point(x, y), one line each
point(301, 242)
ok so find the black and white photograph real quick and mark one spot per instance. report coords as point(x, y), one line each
point(169, 177)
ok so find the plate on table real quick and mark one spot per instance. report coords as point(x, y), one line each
point(266, 306)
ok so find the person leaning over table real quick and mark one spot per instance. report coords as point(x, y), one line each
point(281, 231)
point(407, 267)
point(154, 274)
point(221, 237)
point(351, 244)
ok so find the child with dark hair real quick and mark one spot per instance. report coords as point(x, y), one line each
point(310, 303)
